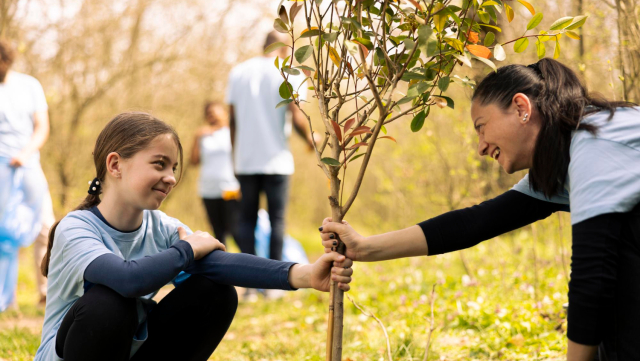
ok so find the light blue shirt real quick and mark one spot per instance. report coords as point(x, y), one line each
point(604, 171)
point(80, 238)
point(21, 96)
point(216, 168)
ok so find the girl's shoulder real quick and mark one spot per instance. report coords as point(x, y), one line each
point(165, 223)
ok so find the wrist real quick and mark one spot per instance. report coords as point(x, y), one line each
point(299, 276)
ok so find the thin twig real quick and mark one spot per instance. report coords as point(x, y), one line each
point(384, 329)
point(431, 324)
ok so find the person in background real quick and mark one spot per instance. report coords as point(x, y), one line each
point(24, 128)
point(217, 185)
point(259, 135)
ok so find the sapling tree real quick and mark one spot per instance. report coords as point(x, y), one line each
point(374, 62)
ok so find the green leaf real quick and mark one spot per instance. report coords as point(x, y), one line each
point(330, 37)
point(418, 121)
point(486, 61)
point(405, 100)
point(443, 83)
point(556, 51)
point(489, 39)
point(577, 22)
point(277, 63)
point(285, 90)
point(304, 67)
point(310, 33)
point(449, 100)
point(463, 59)
point(283, 103)
point(561, 23)
point(273, 47)
point(484, 16)
point(366, 42)
point(303, 53)
point(537, 18)
point(424, 33)
point(521, 45)
point(490, 2)
point(280, 26)
point(291, 71)
point(492, 27)
point(330, 161)
point(540, 49)
point(409, 44)
point(356, 157)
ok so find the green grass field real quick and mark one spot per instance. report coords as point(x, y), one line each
point(509, 308)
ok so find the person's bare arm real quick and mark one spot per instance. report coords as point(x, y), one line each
point(300, 124)
point(579, 352)
point(195, 150)
point(38, 138)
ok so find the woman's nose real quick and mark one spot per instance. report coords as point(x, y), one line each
point(482, 147)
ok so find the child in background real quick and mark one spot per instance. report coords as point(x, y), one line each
point(108, 258)
point(217, 185)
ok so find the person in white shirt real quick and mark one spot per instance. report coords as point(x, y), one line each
point(259, 135)
point(217, 185)
point(24, 128)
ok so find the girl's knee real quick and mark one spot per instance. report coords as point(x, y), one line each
point(101, 303)
point(219, 296)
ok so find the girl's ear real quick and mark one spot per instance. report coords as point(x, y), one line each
point(522, 104)
point(114, 164)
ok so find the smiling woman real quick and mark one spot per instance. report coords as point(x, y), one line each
point(110, 256)
point(576, 147)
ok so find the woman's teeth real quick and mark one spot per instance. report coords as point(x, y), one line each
point(496, 153)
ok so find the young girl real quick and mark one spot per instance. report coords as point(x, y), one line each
point(107, 259)
point(217, 185)
point(581, 151)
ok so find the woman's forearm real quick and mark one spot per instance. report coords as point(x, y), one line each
point(408, 242)
point(578, 352)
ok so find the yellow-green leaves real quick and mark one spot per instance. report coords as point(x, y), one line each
point(528, 6)
point(489, 38)
point(510, 14)
point(534, 21)
point(440, 19)
point(303, 53)
point(561, 23)
point(573, 35)
point(285, 90)
point(540, 49)
point(577, 22)
point(273, 47)
point(418, 120)
point(521, 45)
point(556, 52)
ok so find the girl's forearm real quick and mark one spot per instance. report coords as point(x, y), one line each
point(579, 352)
point(408, 242)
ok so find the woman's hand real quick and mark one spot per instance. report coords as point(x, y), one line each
point(348, 235)
point(330, 266)
point(202, 243)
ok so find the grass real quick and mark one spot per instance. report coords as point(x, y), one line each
point(509, 308)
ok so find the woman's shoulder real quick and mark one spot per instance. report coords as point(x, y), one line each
point(623, 127)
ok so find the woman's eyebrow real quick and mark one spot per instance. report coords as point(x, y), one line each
point(476, 121)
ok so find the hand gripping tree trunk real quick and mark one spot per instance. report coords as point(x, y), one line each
point(359, 54)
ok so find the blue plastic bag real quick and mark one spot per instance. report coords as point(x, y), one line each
point(21, 193)
point(292, 250)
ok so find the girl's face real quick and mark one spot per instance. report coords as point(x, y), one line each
point(149, 176)
point(505, 135)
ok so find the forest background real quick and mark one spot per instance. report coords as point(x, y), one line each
point(500, 300)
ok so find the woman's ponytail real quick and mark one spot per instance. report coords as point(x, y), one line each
point(561, 100)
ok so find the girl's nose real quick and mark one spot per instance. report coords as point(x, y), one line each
point(170, 179)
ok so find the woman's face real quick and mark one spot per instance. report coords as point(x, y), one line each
point(505, 134)
point(149, 176)
point(215, 115)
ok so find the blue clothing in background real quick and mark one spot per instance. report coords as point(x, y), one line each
point(604, 171)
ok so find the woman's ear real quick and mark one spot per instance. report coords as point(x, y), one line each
point(522, 104)
point(114, 164)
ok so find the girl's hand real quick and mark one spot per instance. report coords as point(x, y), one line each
point(202, 243)
point(331, 266)
point(355, 243)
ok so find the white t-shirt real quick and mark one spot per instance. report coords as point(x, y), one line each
point(261, 142)
point(21, 96)
point(604, 171)
point(216, 169)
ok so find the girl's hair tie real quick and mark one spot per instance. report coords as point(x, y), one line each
point(94, 186)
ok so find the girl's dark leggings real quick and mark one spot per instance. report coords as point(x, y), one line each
point(187, 324)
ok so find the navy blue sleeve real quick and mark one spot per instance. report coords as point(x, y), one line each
point(464, 228)
point(244, 270)
point(141, 276)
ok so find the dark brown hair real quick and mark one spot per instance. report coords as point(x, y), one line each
point(561, 100)
point(7, 55)
point(126, 134)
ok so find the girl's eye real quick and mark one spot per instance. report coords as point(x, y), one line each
point(160, 163)
point(174, 170)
